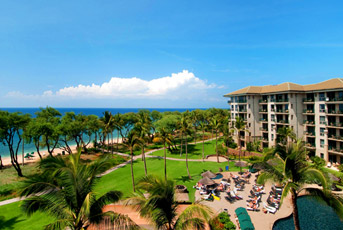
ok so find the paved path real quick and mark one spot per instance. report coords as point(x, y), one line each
point(147, 154)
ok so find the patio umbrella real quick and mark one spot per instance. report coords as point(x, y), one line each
point(208, 174)
point(257, 166)
point(206, 181)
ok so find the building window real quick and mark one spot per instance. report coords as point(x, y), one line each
point(322, 120)
point(249, 115)
point(322, 108)
point(321, 96)
point(322, 143)
point(291, 117)
point(249, 106)
point(249, 125)
point(322, 155)
point(272, 137)
point(291, 106)
point(322, 131)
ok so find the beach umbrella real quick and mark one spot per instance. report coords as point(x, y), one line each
point(206, 181)
point(208, 174)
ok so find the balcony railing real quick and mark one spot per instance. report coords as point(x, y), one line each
point(334, 149)
point(242, 110)
point(310, 145)
point(335, 112)
point(322, 122)
point(335, 137)
point(322, 134)
point(241, 101)
point(282, 100)
point(264, 129)
point(264, 139)
point(264, 119)
point(282, 111)
point(309, 122)
point(308, 100)
point(262, 101)
point(282, 121)
point(322, 110)
point(310, 133)
point(263, 110)
point(335, 124)
point(308, 111)
point(334, 99)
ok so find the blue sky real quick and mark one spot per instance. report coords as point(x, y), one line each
point(162, 53)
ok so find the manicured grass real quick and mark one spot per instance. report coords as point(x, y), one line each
point(194, 151)
point(14, 218)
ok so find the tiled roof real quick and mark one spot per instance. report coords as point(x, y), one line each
point(335, 83)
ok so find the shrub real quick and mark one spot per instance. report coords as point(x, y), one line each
point(317, 161)
point(222, 221)
point(222, 150)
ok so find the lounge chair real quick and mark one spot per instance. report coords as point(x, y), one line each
point(269, 209)
point(229, 199)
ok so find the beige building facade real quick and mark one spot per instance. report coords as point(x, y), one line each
point(314, 112)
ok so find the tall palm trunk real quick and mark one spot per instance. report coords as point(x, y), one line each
point(203, 141)
point(217, 147)
point(112, 142)
point(23, 152)
point(108, 143)
point(117, 139)
point(132, 176)
point(295, 209)
point(189, 175)
point(181, 143)
point(143, 154)
point(240, 149)
point(165, 160)
point(195, 135)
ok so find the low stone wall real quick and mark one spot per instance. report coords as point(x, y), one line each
point(235, 152)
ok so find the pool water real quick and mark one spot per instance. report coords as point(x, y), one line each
point(219, 176)
point(313, 216)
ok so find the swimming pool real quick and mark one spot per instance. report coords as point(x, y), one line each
point(219, 176)
point(313, 216)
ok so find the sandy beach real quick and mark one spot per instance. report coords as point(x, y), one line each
point(6, 161)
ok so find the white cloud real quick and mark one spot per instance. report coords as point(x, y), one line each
point(179, 85)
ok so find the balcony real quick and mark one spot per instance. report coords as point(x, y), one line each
point(264, 119)
point(308, 100)
point(323, 123)
point(264, 129)
point(322, 111)
point(334, 99)
point(311, 123)
point(242, 111)
point(282, 111)
point(265, 139)
point(282, 122)
point(308, 111)
point(282, 100)
point(241, 101)
point(310, 134)
point(334, 113)
point(263, 111)
point(335, 138)
point(263, 101)
point(310, 145)
point(335, 150)
point(322, 134)
point(335, 124)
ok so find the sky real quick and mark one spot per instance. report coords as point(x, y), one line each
point(162, 54)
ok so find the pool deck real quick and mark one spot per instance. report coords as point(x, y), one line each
point(260, 220)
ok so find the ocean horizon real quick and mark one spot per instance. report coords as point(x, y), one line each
point(4, 152)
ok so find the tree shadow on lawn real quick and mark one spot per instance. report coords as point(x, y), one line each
point(191, 149)
point(9, 224)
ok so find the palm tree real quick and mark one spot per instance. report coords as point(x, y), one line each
point(290, 168)
point(161, 207)
point(285, 135)
point(185, 129)
point(215, 125)
point(194, 121)
point(66, 193)
point(144, 138)
point(165, 137)
point(203, 126)
point(239, 126)
point(107, 125)
point(131, 141)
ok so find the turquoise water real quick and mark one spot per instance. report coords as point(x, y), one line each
point(87, 111)
point(313, 216)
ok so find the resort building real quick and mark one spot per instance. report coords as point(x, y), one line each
point(314, 112)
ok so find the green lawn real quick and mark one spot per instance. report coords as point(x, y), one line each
point(194, 151)
point(11, 217)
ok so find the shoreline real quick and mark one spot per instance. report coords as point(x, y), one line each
point(6, 161)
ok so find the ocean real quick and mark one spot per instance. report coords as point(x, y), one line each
point(87, 111)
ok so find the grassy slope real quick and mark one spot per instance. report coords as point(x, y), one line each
point(117, 180)
point(194, 151)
